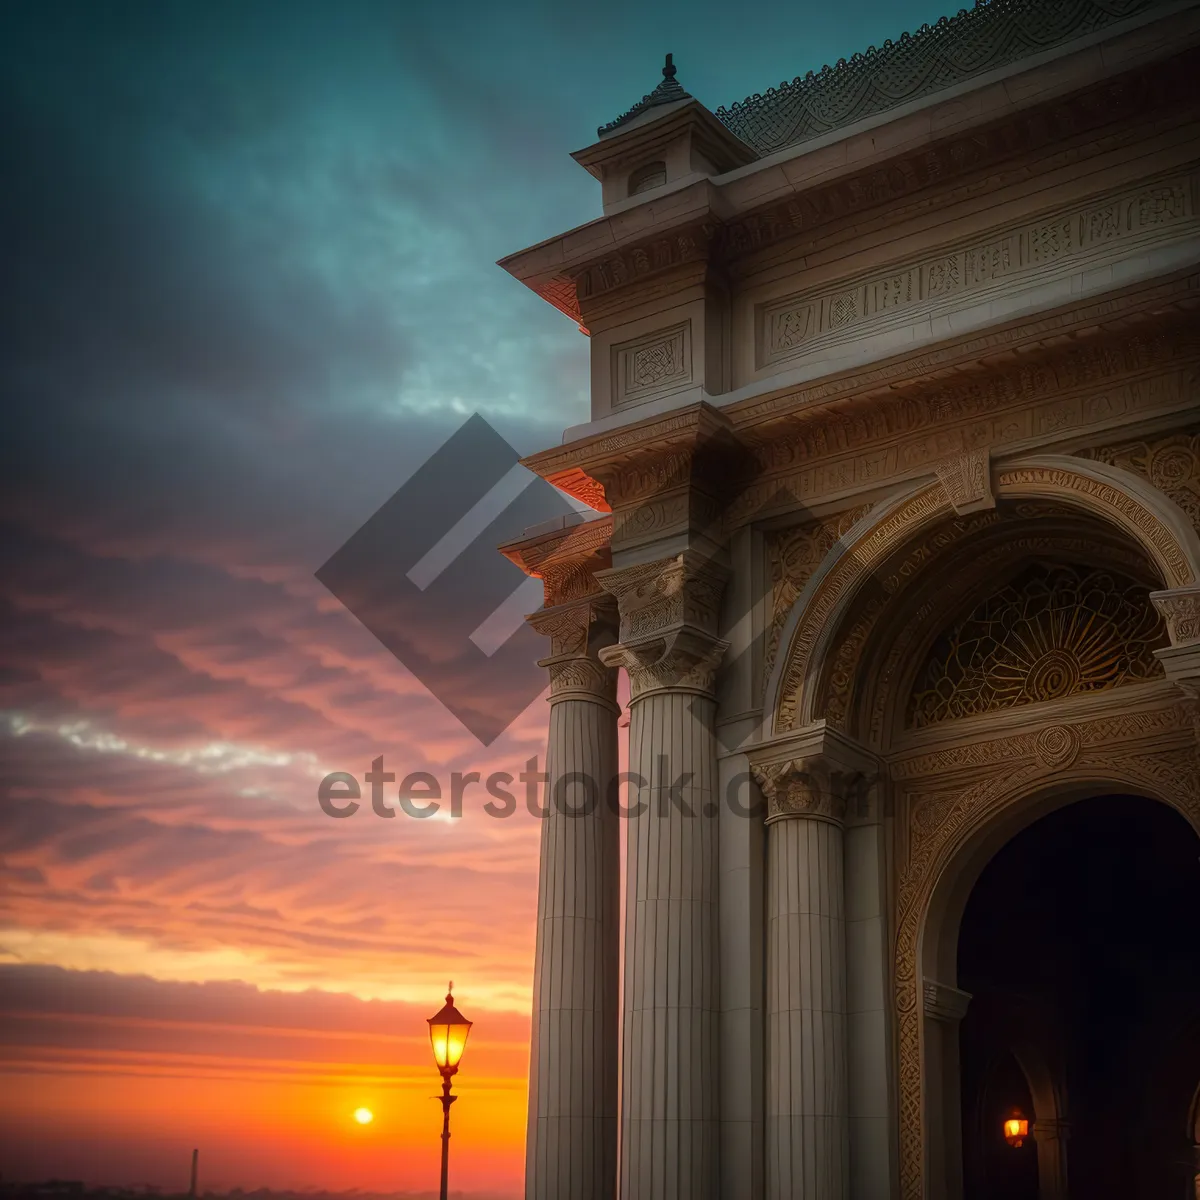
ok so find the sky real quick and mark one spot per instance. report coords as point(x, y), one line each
point(249, 287)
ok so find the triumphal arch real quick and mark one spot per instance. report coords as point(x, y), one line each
point(894, 457)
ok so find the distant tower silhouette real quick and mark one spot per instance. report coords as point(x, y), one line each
point(195, 1171)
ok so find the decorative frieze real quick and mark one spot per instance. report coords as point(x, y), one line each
point(1171, 463)
point(651, 366)
point(971, 757)
point(630, 264)
point(870, 444)
point(972, 272)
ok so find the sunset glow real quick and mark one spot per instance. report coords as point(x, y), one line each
point(251, 251)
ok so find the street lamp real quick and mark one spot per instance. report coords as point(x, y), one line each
point(448, 1030)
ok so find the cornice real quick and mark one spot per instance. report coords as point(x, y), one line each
point(703, 223)
point(956, 361)
point(1056, 133)
point(566, 560)
point(572, 541)
point(578, 467)
point(1144, 339)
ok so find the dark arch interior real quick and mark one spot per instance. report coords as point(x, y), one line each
point(1080, 945)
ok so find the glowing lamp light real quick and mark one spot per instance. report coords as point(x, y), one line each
point(448, 1030)
point(1016, 1128)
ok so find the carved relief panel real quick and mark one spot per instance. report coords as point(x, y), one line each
point(652, 366)
point(1054, 244)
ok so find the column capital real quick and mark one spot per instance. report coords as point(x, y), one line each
point(656, 598)
point(668, 622)
point(801, 787)
point(1180, 611)
point(578, 632)
point(684, 660)
point(818, 773)
point(579, 617)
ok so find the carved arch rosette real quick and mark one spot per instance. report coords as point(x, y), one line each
point(1151, 750)
point(1115, 496)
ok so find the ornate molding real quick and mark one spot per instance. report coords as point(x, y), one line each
point(630, 264)
point(1170, 463)
point(968, 481)
point(937, 56)
point(944, 280)
point(844, 573)
point(651, 365)
point(1050, 477)
point(1166, 722)
point(865, 442)
point(565, 559)
point(793, 554)
point(1055, 134)
point(1052, 632)
point(1112, 749)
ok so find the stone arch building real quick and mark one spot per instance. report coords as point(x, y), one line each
point(895, 457)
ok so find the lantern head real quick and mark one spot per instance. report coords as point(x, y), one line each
point(448, 1030)
point(1016, 1128)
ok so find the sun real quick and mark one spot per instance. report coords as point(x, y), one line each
point(364, 1116)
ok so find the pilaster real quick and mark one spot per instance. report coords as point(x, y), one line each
point(807, 1106)
point(670, 1052)
point(571, 1148)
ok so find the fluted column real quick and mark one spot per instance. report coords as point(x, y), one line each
point(571, 1146)
point(669, 1055)
point(807, 1126)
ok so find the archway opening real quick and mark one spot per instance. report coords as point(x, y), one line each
point(1080, 947)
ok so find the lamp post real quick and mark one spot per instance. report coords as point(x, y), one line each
point(448, 1030)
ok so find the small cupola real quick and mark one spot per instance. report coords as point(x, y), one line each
point(667, 139)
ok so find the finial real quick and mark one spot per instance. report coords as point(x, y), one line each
point(669, 68)
point(450, 992)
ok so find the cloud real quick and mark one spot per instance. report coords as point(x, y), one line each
point(249, 289)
